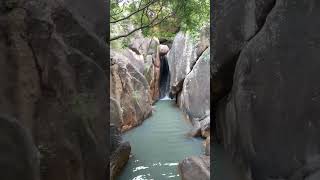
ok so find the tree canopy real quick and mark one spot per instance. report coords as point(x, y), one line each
point(161, 18)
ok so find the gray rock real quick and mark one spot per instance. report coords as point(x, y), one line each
point(195, 95)
point(204, 42)
point(135, 59)
point(144, 46)
point(163, 49)
point(196, 130)
point(205, 127)
point(269, 119)
point(53, 82)
point(181, 58)
point(195, 168)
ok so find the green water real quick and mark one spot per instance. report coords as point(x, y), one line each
point(159, 144)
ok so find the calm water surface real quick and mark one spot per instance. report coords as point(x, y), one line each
point(159, 144)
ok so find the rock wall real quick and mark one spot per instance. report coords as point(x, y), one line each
point(131, 90)
point(189, 65)
point(53, 83)
point(266, 92)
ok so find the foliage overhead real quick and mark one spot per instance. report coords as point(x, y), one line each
point(161, 18)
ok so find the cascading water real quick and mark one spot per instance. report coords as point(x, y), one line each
point(164, 78)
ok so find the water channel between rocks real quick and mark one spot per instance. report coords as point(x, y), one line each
point(159, 144)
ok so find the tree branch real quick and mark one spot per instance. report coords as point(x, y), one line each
point(127, 17)
point(151, 24)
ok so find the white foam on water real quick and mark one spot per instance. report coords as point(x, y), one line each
point(171, 164)
point(166, 98)
point(140, 168)
point(141, 177)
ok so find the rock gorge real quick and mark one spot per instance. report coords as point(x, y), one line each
point(147, 71)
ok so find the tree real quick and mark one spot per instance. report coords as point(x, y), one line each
point(160, 17)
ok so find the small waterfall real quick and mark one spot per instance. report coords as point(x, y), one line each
point(164, 79)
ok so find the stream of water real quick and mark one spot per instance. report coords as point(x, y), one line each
point(159, 144)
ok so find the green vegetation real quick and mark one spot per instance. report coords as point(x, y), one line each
point(160, 18)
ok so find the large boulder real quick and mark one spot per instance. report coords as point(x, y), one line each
point(130, 88)
point(270, 118)
point(163, 49)
point(181, 59)
point(135, 59)
point(52, 81)
point(148, 49)
point(195, 94)
point(195, 167)
point(183, 55)
point(119, 152)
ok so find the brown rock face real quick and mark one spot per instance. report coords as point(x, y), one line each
point(51, 59)
point(130, 88)
point(149, 49)
point(195, 167)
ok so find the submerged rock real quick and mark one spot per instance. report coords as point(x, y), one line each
point(195, 167)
